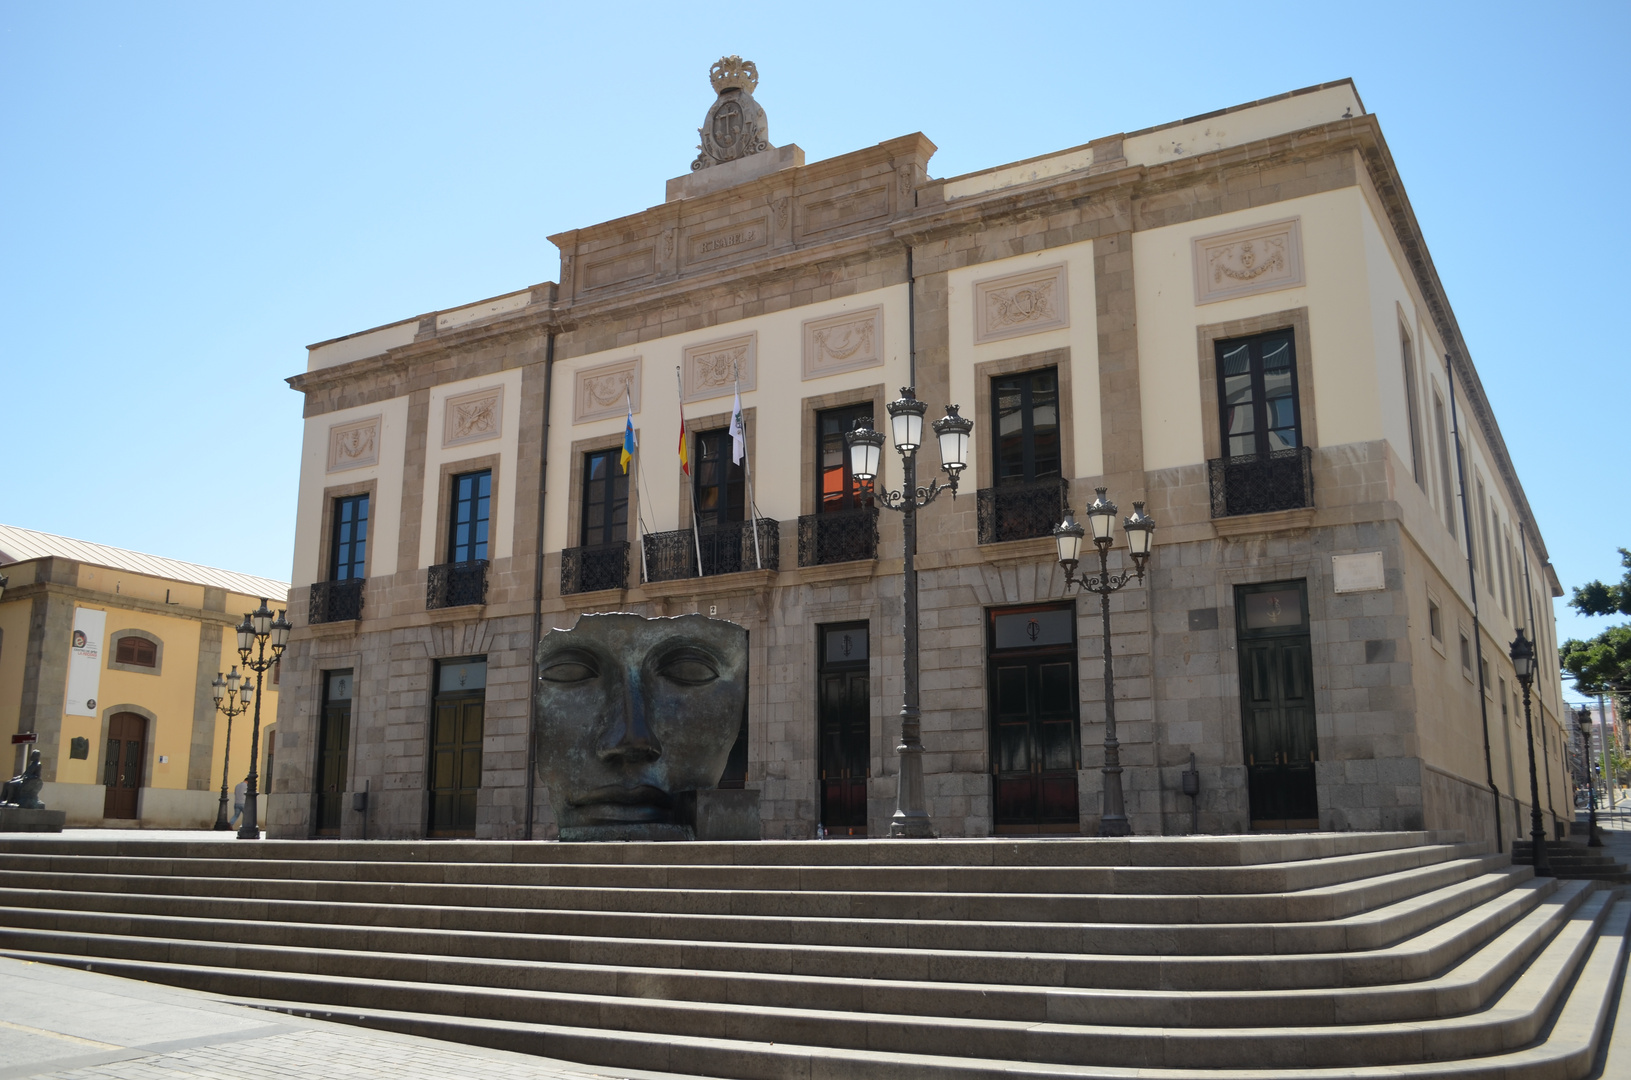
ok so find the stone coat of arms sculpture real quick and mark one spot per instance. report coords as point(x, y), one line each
point(735, 126)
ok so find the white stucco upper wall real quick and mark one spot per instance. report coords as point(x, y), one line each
point(357, 346)
point(1185, 138)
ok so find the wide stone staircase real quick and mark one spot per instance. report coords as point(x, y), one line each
point(1361, 954)
point(1574, 860)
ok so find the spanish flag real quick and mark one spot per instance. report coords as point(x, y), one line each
point(628, 440)
point(685, 455)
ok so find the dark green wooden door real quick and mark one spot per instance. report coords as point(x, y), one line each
point(1035, 732)
point(456, 766)
point(1277, 705)
point(333, 751)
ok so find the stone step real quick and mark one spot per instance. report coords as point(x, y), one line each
point(1368, 930)
point(1272, 877)
point(1421, 956)
point(1462, 990)
point(1322, 903)
point(1142, 851)
point(1514, 1020)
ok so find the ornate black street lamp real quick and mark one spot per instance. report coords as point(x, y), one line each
point(238, 699)
point(1583, 718)
point(865, 448)
point(253, 633)
point(1140, 534)
point(1523, 662)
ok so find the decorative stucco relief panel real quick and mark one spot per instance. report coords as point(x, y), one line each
point(605, 389)
point(846, 342)
point(473, 417)
point(1244, 261)
point(712, 368)
point(353, 445)
point(1021, 304)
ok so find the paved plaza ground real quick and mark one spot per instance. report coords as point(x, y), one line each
point(64, 1024)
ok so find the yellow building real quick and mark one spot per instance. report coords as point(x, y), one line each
point(108, 657)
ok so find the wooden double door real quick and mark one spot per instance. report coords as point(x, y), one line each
point(844, 710)
point(333, 752)
point(1034, 720)
point(457, 730)
point(122, 765)
point(1277, 704)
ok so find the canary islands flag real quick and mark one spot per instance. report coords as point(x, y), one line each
point(628, 440)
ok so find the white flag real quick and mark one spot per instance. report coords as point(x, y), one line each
point(739, 443)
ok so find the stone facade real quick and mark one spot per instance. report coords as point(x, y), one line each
point(1083, 262)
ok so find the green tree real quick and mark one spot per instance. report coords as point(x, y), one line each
point(1603, 663)
point(1597, 598)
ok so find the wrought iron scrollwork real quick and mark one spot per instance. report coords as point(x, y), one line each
point(335, 601)
point(1021, 511)
point(843, 536)
point(456, 584)
point(725, 549)
point(590, 569)
point(1261, 484)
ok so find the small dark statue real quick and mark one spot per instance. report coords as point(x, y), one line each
point(24, 791)
point(635, 714)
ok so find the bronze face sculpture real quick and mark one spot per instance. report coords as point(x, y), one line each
point(632, 714)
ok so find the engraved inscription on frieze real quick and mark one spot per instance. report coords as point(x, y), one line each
point(353, 445)
point(605, 390)
point(473, 417)
point(723, 243)
point(845, 342)
point(712, 369)
point(1020, 304)
point(1263, 258)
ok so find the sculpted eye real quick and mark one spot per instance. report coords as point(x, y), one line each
point(688, 667)
point(569, 668)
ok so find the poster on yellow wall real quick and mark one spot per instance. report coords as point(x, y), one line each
point(85, 661)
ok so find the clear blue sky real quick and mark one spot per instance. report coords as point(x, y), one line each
point(193, 193)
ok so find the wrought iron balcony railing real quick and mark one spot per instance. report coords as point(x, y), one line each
point(726, 549)
point(1261, 484)
point(590, 569)
point(335, 601)
point(456, 584)
point(1021, 511)
point(842, 536)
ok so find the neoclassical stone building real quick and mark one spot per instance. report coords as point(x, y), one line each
point(1233, 318)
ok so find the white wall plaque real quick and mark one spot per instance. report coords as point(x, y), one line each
point(1358, 573)
point(845, 342)
point(1020, 304)
point(353, 445)
point(605, 390)
point(473, 417)
point(1260, 259)
point(711, 368)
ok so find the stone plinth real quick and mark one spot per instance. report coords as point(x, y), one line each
point(723, 814)
point(731, 173)
point(16, 819)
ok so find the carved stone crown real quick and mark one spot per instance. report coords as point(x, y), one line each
point(734, 73)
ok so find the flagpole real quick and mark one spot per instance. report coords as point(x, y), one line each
point(696, 533)
point(639, 476)
point(741, 425)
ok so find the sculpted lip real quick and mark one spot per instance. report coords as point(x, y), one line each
point(617, 795)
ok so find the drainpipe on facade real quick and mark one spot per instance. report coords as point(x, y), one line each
point(1472, 577)
point(538, 586)
point(1534, 632)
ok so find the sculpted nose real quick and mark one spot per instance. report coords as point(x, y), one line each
point(629, 738)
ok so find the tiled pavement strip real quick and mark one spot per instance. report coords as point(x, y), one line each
point(66, 1024)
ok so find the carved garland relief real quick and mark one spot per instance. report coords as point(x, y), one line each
point(473, 417)
point(605, 390)
point(1244, 261)
point(845, 342)
point(1021, 304)
point(711, 369)
point(353, 445)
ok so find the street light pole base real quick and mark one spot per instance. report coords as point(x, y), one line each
point(912, 827)
point(1114, 826)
